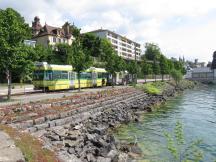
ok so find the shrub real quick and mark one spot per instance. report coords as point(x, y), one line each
point(176, 75)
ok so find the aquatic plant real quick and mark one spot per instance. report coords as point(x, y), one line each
point(181, 151)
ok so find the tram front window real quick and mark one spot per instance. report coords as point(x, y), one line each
point(38, 75)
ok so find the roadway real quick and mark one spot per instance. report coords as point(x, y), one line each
point(27, 94)
point(29, 88)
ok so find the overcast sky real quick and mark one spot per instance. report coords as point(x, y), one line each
point(179, 27)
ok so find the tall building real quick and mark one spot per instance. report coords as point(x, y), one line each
point(125, 47)
point(49, 35)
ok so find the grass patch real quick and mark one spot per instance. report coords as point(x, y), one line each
point(31, 147)
point(155, 88)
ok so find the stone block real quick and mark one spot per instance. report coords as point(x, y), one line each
point(32, 129)
point(27, 124)
point(60, 122)
point(42, 126)
point(39, 120)
point(52, 116)
point(51, 124)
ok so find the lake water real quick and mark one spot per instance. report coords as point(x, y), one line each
point(195, 109)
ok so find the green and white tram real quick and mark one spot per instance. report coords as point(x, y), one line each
point(58, 77)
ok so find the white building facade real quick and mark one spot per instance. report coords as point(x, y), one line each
point(124, 47)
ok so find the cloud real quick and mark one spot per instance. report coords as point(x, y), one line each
point(179, 27)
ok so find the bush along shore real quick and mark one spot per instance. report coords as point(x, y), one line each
point(79, 128)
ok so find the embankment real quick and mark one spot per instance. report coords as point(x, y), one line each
point(78, 128)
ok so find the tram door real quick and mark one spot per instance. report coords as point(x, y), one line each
point(71, 79)
point(94, 79)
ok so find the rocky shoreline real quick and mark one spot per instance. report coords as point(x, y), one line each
point(91, 140)
point(84, 133)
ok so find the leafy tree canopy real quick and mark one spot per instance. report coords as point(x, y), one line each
point(91, 44)
point(146, 67)
point(13, 31)
point(164, 69)
point(132, 67)
point(152, 51)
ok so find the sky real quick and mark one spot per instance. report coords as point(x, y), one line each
point(180, 27)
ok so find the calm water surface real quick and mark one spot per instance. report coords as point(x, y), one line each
point(195, 109)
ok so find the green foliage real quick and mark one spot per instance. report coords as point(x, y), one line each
point(180, 151)
point(79, 60)
point(156, 68)
point(43, 54)
point(176, 75)
point(164, 69)
point(13, 31)
point(151, 89)
point(133, 68)
point(75, 31)
point(154, 88)
point(106, 49)
point(152, 51)
point(91, 44)
point(114, 64)
point(146, 68)
point(61, 54)
point(160, 64)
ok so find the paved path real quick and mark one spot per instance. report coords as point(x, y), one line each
point(50, 95)
point(30, 88)
point(8, 151)
point(16, 89)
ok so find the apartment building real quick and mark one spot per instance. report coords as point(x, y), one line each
point(125, 47)
point(50, 35)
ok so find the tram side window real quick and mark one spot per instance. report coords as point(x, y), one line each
point(100, 75)
point(88, 76)
point(104, 75)
point(48, 75)
point(84, 75)
point(60, 75)
point(64, 75)
point(56, 75)
point(73, 76)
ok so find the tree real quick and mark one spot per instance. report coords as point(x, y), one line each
point(176, 75)
point(61, 54)
point(79, 60)
point(75, 31)
point(146, 69)
point(114, 64)
point(164, 69)
point(13, 31)
point(152, 51)
point(132, 68)
point(91, 44)
point(156, 68)
point(106, 50)
point(43, 54)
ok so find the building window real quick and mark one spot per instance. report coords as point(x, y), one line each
point(59, 40)
point(54, 39)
